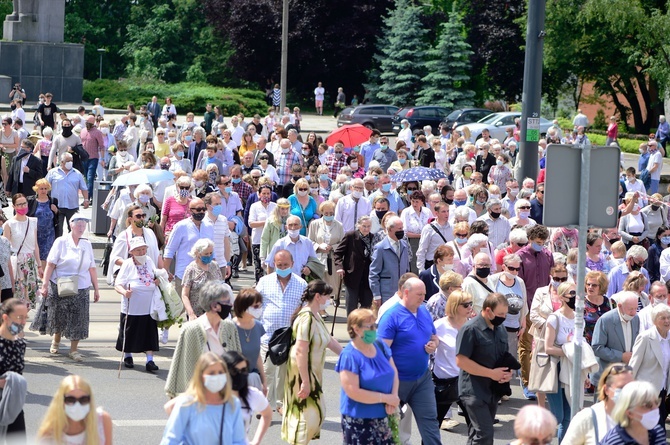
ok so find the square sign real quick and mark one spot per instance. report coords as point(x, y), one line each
point(533, 129)
point(563, 184)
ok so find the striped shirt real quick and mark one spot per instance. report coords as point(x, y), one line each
point(221, 232)
point(334, 165)
point(284, 164)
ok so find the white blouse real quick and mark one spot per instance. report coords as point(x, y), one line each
point(414, 222)
point(67, 257)
point(258, 212)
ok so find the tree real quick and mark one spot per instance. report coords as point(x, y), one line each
point(447, 78)
point(402, 63)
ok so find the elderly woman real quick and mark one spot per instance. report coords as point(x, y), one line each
point(414, 219)
point(636, 417)
point(302, 205)
point(212, 331)
point(45, 209)
point(513, 288)
point(248, 309)
point(176, 208)
point(369, 382)
point(121, 162)
point(178, 161)
point(259, 212)
point(275, 227)
point(70, 259)
point(651, 356)
point(534, 425)
point(560, 329)
point(477, 242)
point(634, 226)
point(304, 402)
point(136, 283)
point(21, 231)
point(143, 195)
point(201, 270)
point(637, 283)
point(201, 185)
point(352, 258)
point(583, 430)
point(522, 218)
point(450, 282)
point(326, 233)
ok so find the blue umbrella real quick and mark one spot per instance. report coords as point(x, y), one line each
point(418, 174)
point(143, 176)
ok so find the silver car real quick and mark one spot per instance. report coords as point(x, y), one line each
point(498, 123)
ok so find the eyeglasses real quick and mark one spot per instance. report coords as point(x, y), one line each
point(524, 208)
point(140, 216)
point(71, 400)
point(264, 159)
point(571, 294)
point(592, 285)
point(560, 279)
point(521, 244)
point(461, 235)
point(619, 369)
point(372, 326)
point(514, 269)
point(466, 304)
point(198, 209)
point(540, 192)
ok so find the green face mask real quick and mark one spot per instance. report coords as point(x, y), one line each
point(369, 337)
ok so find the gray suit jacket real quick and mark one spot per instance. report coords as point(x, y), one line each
point(608, 341)
point(647, 358)
point(387, 267)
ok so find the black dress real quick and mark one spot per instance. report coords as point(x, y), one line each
point(12, 354)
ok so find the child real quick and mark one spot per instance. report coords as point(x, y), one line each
point(297, 118)
point(572, 263)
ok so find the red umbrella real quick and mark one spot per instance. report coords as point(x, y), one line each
point(350, 135)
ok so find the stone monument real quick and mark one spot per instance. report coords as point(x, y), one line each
point(32, 52)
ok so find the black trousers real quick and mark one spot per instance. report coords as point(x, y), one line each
point(481, 412)
point(359, 295)
point(62, 215)
point(663, 408)
point(446, 394)
point(16, 431)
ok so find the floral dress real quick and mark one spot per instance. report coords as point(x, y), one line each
point(303, 418)
point(46, 233)
point(591, 315)
point(24, 237)
point(195, 278)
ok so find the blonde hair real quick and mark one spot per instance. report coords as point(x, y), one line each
point(302, 182)
point(572, 255)
point(55, 420)
point(196, 387)
point(356, 319)
point(42, 183)
point(325, 205)
point(450, 279)
point(619, 248)
point(275, 217)
point(632, 395)
point(454, 300)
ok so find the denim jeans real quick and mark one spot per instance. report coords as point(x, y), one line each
point(91, 168)
point(560, 408)
point(653, 188)
point(420, 396)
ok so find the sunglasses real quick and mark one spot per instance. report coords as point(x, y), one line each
point(521, 244)
point(570, 294)
point(467, 304)
point(514, 269)
point(302, 190)
point(264, 159)
point(545, 441)
point(619, 369)
point(561, 279)
point(524, 208)
point(199, 209)
point(461, 235)
point(71, 400)
point(184, 188)
point(412, 190)
point(140, 216)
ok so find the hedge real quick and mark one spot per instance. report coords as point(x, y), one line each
point(185, 96)
point(627, 145)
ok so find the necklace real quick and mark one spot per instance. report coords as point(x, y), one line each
point(247, 334)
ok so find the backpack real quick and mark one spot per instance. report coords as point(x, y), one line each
point(279, 345)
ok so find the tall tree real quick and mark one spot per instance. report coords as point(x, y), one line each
point(447, 78)
point(496, 39)
point(402, 63)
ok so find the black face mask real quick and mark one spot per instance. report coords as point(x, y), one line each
point(635, 266)
point(400, 234)
point(483, 272)
point(224, 310)
point(497, 321)
point(449, 201)
point(240, 380)
point(613, 240)
point(67, 132)
point(495, 215)
point(198, 216)
point(655, 208)
point(380, 214)
point(295, 178)
point(572, 302)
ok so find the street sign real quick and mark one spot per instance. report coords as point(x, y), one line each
point(533, 129)
point(563, 183)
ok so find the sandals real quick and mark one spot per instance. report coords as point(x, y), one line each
point(76, 356)
point(54, 347)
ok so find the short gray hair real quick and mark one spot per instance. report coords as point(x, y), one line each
point(213, 291)
point(142, 188)
point(392, 221)
point(363, 219)
point(200, 245)
point(521, 202)
point(201, 131)
point(518, 236)
point(491, 202)
point(511, 258)
point(637, 251)
point(658, 310)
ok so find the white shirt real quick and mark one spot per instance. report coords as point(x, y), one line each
point(236, 134)
point(655, 158)
point(258, 212)
point(67, 257)
point(627, 333)
point(221, 232)
point(257, 403)
point(665, 348)
point(498, 228)
point(414, 222)
point(213, 343)
point(348, 210)
point(318, 93)
point(388, 304)
point(445, 354)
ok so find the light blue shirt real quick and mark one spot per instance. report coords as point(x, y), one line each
point(194, 424)
point(301, 250)
point(231, 205)
point(278, 304)
point(65, 187)
point(395, 201)
point(184, 234)
point(367, 150)
point(618, 275)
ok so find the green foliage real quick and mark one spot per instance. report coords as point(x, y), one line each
point(402, 61)
point(186, 96)
point(447, 78)
point(627, 145)
point(6, 8)
point(599, 122)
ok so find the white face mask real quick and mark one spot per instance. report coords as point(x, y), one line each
point(215, 383)
point(255, 312)
point(199, 184)
point(68, 165)
point(78, 412)
point(354, 165)
point(325, 305)
point(510, 275)
point(105, 130)
point(303, 193)
point(446, 267)
point(650, 420)
point(141, 259)
point(356, 194)
point(293, 233)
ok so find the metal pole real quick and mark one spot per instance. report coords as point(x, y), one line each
point(578, 388)
point(532, 92)
point(100, 72)
point(284, 55)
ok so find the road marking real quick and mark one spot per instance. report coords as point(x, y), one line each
point(139, 359)
point(158, 422)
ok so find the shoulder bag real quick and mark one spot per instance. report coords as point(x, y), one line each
point(543, 368)
point(68, 286)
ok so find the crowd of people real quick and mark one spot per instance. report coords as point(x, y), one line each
point(452, 287)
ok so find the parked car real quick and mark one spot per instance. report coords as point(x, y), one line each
point(498, 123)
point(372, 116)
point(419, 117)
point(463, 116)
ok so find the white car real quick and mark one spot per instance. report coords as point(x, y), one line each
point(498, 123)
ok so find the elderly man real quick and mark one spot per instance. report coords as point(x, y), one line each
point(408, 329)
point(285, 162)
point(478, 283)
point(336, 160)
point(480, 344)
point(580, 120)
point(282, 292)
point(352, 257)
point(184, 234)
point(237, 131)
point(654, 166)
point(658, 294)
point(499, 226)
point(663, 131)
point(300, 248)
point(221, 231)
point(66, 182)
point(248, 162)
point(296, 145)
point(384, 155)
point(240, 187)
point(636, 256)
point(537, 204)
point(349, 208)
point(615, 333)
point(390, 259)
point(509, 200)
point(26, 169)
point(261, 149)
point(460, 201)
point(433, 236)
point(396, 204)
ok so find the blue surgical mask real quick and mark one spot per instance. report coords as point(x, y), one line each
point(329, 218)
point(237, 180)
point(536, 247)
point(206, 259)
point(283, 272)
point(323, 177)
point(402, 161)
point(217, 209)
point(386, 187)
point(228, 189)
point(664, 239)
point(15, 328)
point(459, 203)
point(481, 203)
point(384, 147)
point(188, 138)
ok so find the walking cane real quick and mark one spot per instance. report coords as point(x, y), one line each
point(123, 345)
point(337, 304)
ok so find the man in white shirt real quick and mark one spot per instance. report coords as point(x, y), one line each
point(658, 294)
point(499, 226)
point(433, 236)
point(352, 206)
point(580, 120)
point(300, 247)
point(221, 229)
point(654, 166)
point(237, 131)
point(319, 91)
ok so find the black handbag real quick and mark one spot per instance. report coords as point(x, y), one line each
point(105, 256)
point(279, 345)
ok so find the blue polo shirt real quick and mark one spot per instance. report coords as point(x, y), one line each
point(374, 374)
point(410, 333)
